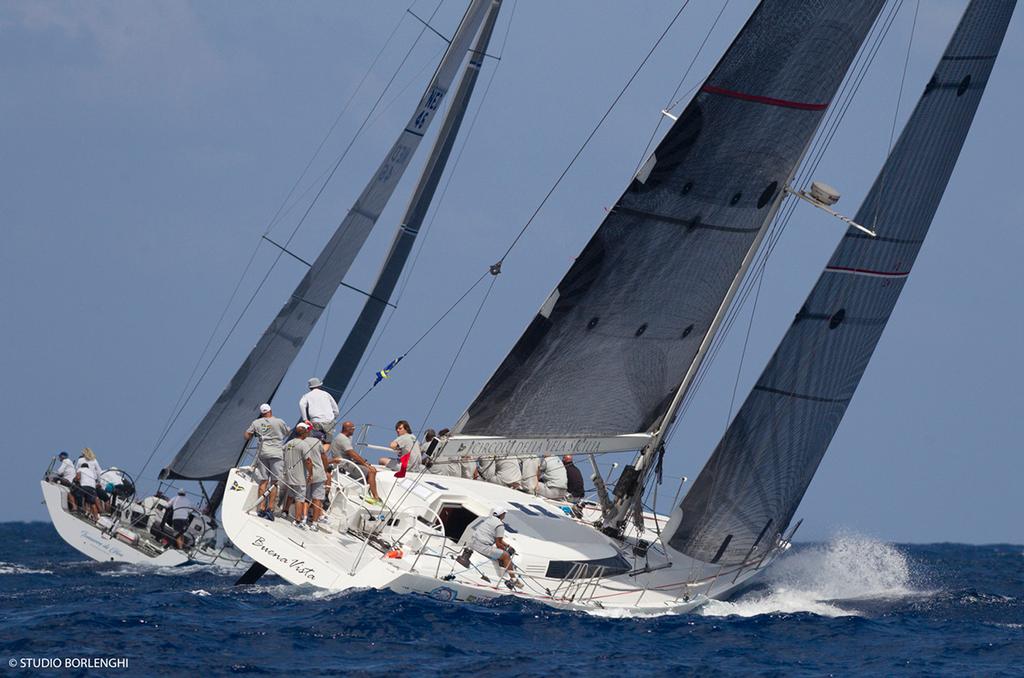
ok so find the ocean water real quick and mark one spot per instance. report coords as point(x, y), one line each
point(851, 606)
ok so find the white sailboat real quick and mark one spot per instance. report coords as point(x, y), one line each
point(606, 363)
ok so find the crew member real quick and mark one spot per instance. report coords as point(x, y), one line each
point(181, 509)
point(487, 537)
point(65, 475)
point(271, 432)
point(553, 479)
point(508, 472)
point(408, 450)
point(87, 475)
point(295, 471)
point(319, 408)
point(314, 460)
point(531, 473)
point(342, 448)
point(574, 478)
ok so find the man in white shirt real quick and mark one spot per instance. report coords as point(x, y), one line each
point(181, 515)
point(319, 408)
point(487, 537)
point(554, 482)
point(508, 472)
point(65, 475)
point(531, 473)
point(87, 475)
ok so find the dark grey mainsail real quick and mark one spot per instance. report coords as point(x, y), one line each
point(750, 488)
point(344, 365)
point(609, 349)
point(215, 445)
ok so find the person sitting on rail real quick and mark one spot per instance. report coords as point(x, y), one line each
point(530, 474)
point(342, 448)
point(64, 475)
point(574, 478)
point(271, 432)
point(487, 537)
point(408, 449)
point(553, 480)
point(485, 470)
point(508, 472)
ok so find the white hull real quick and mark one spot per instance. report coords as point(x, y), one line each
point(548, 541)
point(102, 543)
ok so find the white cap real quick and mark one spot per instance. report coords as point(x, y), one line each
point(264, 408)
point(498, 510)
point(315, 382)
point(181, 491)
point(303, 425)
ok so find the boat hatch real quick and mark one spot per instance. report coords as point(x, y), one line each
point(604, 567)
point(455, 518)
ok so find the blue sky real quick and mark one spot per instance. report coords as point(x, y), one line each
point(147, 146)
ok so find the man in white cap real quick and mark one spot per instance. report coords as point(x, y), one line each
point(319, 408)
point(487, 537)
point(271, 432)
point(295, 471)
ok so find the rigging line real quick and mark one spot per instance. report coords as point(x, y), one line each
point(458, 353)
point(266, 276)
point(669, 105)
point(895, 117)
point(822, 142)
point(407, 274)
point(743, 353)
point(323, 337)
point(590, 136)
point(274, 219)
point(424, 335)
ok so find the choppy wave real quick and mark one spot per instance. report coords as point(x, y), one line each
point(14, 568)
point(827, 580)
point(852, 606)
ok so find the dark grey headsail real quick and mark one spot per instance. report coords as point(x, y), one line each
point(215, 445)
point(344, 365)
point(750, 488)
point(609, 349)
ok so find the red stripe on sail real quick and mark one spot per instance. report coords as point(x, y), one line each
point(867, 271)
point(785, 103)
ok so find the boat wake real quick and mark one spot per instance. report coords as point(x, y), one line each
point(827, 580)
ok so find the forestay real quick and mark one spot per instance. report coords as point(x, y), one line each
point(750, 488)
point(609, 348)
point(215, 445)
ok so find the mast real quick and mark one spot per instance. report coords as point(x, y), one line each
point(339, 374)
point(214, 446)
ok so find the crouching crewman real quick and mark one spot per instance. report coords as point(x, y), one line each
point(487, 537)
